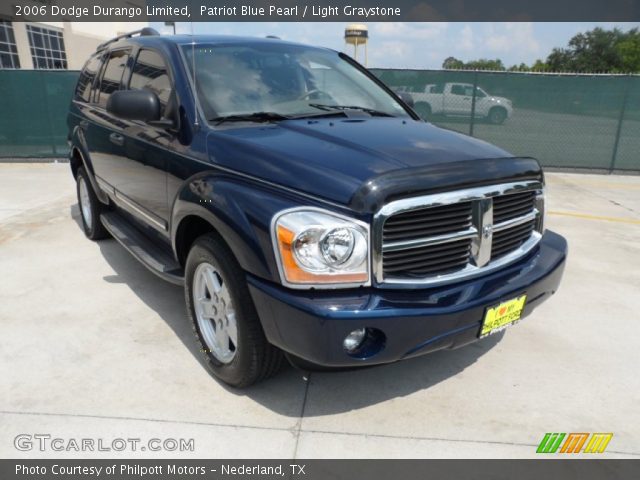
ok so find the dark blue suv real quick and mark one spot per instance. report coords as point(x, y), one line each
point(307, 210)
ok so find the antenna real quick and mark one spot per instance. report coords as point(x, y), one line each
point(193, 74)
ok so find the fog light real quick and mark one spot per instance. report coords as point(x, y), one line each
point(354, 340)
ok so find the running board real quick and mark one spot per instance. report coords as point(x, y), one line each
point(155, 259)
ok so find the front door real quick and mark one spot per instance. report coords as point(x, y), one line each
point(148, 147)
point(459, 100)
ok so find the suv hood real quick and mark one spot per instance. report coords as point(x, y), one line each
point(337, 158)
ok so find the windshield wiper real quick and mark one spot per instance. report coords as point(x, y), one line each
point(250, 117)
point(326, 113)
point(370, 111)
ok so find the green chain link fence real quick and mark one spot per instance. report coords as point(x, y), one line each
point(33, 112)
point(565, 121)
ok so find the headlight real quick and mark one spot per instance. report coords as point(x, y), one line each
point(319, 248)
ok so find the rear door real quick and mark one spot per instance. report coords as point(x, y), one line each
point(82, 104)
point(104, 133)
point(483, 103)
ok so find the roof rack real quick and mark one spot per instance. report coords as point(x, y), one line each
point(143, 32)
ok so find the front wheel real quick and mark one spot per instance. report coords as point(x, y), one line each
point(497, 115)
point(224, 318)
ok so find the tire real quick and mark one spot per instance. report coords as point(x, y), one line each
point(423, 109)
point(90, 208)
point(497, 115)
point(239, 356)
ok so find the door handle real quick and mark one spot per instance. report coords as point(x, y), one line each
point(117, 139)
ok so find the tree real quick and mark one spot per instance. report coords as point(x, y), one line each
point(452, 63)
point(523, 67)
point(596, 50)
point(629, 50)
point(484, 64)
point(599, 50)
point(540, 66)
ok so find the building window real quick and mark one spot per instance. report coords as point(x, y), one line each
point(47, 48)
point(8, 49)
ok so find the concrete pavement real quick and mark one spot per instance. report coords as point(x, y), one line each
point(92, 345)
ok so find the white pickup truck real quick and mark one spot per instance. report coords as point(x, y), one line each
point(456, 99)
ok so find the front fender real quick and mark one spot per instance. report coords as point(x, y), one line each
point(240, 211)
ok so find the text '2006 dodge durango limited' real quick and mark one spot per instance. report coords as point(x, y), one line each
point(308, 211)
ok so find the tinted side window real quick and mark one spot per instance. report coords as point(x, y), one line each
point(87, 76)
point(112, 75)
point(457, 89)
point(150, 71)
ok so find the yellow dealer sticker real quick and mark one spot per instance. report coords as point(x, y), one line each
point(500, 317)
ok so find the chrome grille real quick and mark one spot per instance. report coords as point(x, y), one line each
point(507, 207)
point(429, 260)
point(428, 222)
point(447, 236)
point(506, 241)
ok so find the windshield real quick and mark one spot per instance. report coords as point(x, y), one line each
point(289, 80)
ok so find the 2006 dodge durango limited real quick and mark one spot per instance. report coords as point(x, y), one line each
point(308, 211)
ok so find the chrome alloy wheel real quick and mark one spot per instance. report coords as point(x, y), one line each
point(85, 202)
point(215, 314)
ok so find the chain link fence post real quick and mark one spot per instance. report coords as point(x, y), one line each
point(473, 102)
point(623, 109)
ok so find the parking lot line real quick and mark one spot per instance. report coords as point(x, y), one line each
point(596, 217)
point(611, 185)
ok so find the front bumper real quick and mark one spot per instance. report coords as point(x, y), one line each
point(312, 324)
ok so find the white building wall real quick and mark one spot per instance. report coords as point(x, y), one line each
point(80, 39)
point(22, 43)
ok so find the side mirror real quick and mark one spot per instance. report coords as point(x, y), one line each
point(406, 98)
point(135, 105)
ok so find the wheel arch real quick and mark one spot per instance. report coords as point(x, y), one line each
point(79, 158)
point(237, 212)
point(75, 161)
point(190, 228)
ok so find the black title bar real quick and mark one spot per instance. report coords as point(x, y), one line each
point(321, 10)
point(582, 469)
